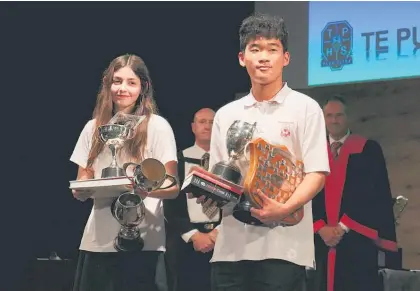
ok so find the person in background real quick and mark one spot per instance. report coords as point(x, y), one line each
point(191, 227)
point(353, 215)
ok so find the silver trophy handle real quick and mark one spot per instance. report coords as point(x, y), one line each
point(246, 150)
point(172, 179)
point(149, 185)
point(125, 166)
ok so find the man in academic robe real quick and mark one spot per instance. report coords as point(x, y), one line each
point(191, 227)
point(353, 214)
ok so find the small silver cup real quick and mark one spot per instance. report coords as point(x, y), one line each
point(150, 175)
point(129, 209)
point(119, 129)
point(114, 136)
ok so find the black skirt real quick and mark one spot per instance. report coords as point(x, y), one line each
point(119, 271)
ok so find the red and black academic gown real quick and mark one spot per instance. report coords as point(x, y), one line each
point(356, 193)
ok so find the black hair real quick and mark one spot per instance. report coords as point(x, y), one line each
point(263, 25)
point(335, 98)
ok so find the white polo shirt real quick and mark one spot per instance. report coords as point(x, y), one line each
point(291, 119)
point(101, 227)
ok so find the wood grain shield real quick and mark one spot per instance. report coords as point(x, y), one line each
point(276, 173)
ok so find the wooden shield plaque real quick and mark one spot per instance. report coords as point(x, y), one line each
point(276, 173)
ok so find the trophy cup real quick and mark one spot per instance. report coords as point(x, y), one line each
point(237, 138)
point(150, 175)
point(399, 206)
point(129, 209)
point(275, 172)
point(222, 184)
point(120, 128)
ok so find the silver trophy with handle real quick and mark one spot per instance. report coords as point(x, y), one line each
point(120, 128)
point(129, 209)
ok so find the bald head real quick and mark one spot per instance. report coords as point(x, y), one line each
point(204, 112)
point(202, 125)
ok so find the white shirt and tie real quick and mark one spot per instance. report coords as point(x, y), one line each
point(338, 144)
point(340, 141)
point(196, 211)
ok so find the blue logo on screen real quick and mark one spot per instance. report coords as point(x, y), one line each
point(337, 45)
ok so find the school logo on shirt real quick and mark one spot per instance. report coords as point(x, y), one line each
point(285, 132)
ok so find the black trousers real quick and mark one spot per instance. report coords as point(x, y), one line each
point(265, 275)
point(120, 271)
point(186, 268)
point(194, 269)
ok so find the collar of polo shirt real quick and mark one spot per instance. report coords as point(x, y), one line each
point(278, 98)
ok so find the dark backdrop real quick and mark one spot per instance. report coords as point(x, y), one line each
point(52, 58)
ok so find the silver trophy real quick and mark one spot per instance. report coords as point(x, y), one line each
point(129, 209)
point(120, 128)
point(399, 206)
point(238, 136)
point(222, 184)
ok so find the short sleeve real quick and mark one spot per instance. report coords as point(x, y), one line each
point(81, 151)
point(216, 142)
point(314, 145)
point(163, 144)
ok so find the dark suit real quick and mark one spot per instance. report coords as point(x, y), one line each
point(356, 193)
point(187, 269)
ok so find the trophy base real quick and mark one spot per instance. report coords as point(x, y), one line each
point(128, 245)
point(112, 172)
point(242, 212)
point(228, 172)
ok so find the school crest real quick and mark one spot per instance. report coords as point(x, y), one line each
point(337, 45)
